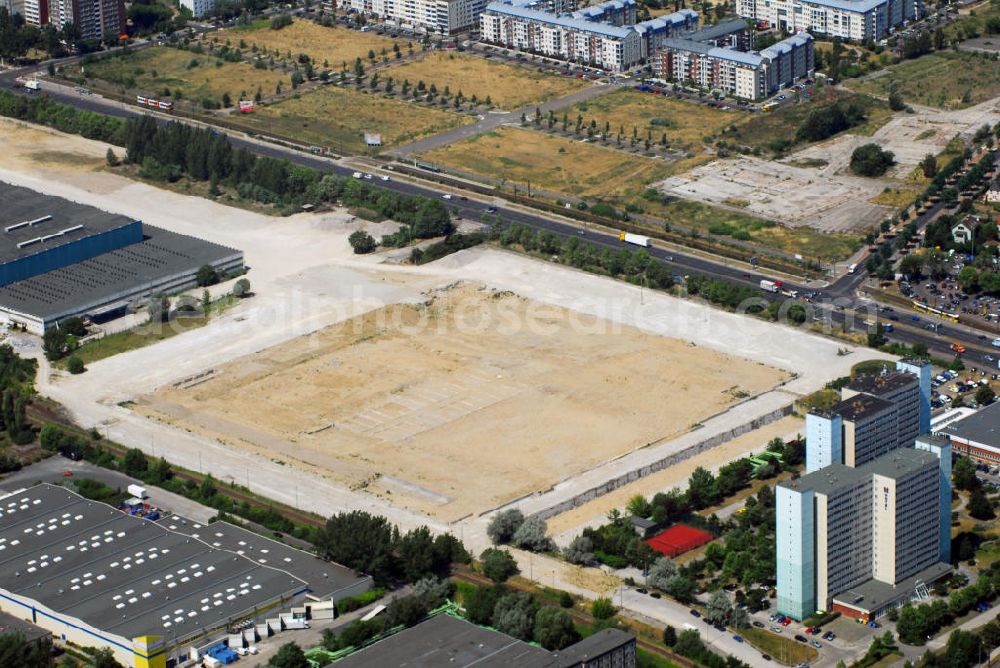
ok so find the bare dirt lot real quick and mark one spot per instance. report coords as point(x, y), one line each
point(814, 187)
point(465, 402)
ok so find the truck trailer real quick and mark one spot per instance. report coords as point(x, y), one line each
point(770, 286)
point(636, 239)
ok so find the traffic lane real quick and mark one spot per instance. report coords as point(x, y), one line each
point(469, 208)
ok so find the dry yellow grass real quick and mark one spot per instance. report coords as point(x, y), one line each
point(509, 86)
point(894, 197)
point(550, 163)
point(685, 124)
point(337, 118)
point(152, 71)
point(333, 45)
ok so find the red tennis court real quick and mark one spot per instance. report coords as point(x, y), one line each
point(679, 539)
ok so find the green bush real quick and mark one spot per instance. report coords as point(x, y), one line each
point(75, 365)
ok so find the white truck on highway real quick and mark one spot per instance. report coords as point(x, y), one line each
point(636, 239)
point(33, 84)
point(770, 286)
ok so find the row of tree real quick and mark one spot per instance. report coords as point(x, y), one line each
point(917, 623)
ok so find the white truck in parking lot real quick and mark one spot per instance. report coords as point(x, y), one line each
point(636, 239)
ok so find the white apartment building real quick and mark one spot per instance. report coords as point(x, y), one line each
point(857, 20)
point(602, 35)
point(199, 8)
point(441, 16)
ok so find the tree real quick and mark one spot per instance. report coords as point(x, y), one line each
point(531, 536)
point(358, 540)
point(134, 462)
point(75, 365)
point(498, 565)
point(514, 615)
point(104, 658)
point(896, 102)
point(689, 643)
point(17, 652)
point(985, 395)
point(979, 506)
point(361, 242)
point(661, 573)
point(871, 160)
point(702, 489)
point(669, 636)
point(504, 525)
point(968, 278)
point(112, 159)
point(963, 473)
point(241, 288)
point(639, 506)
point(718, 608)
point(407, 611)
point(580, 551)
point(55, 343)
point(289, 655)
point(158, 308)
point(602, 608)
point(554, 629)
point(416, 554)
point(435, 591)
point(480, 605)
point(929, 165)
point(206, 276)
point(911, 265)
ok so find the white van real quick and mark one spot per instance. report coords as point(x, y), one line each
point(850, 269)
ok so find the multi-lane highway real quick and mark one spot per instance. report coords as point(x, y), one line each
point(835, 305)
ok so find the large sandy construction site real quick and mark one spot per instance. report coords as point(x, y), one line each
point(464, 402)
point(419, 393)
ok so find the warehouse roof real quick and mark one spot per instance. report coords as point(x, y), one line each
point(445, 641)
point(982, 427)
point(31, 222)
point(323, 578)
point(101, 279)
point(10, 624)
point(122, 574)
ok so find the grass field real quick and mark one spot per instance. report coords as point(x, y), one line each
point(763, 129)
point(946, 80)
point(509, 86)
point(554, 164)
point(336, 46)
point(338, 118)
point(894, 197)
point(156, 70)
point(685, 124)
point(784, 650)
point(563, 166)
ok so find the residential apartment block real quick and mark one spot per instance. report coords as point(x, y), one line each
point(878, 414)
point(603, 35)
point(857, 20)
point(199, 8)
point(442, 16)
point(748, 75)
point(94, 18)
point(861, 540)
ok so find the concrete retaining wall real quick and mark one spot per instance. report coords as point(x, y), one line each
point(659, 465)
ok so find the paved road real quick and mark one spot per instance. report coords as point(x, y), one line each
point(492, 121)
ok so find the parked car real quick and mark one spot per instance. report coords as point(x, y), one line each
point(817, 644)
point(695, 613)
point(759, 625)
point(802, 638)
point(642, 590)
point(738, 638)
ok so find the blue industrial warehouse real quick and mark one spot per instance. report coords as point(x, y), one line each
point(60, 259)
